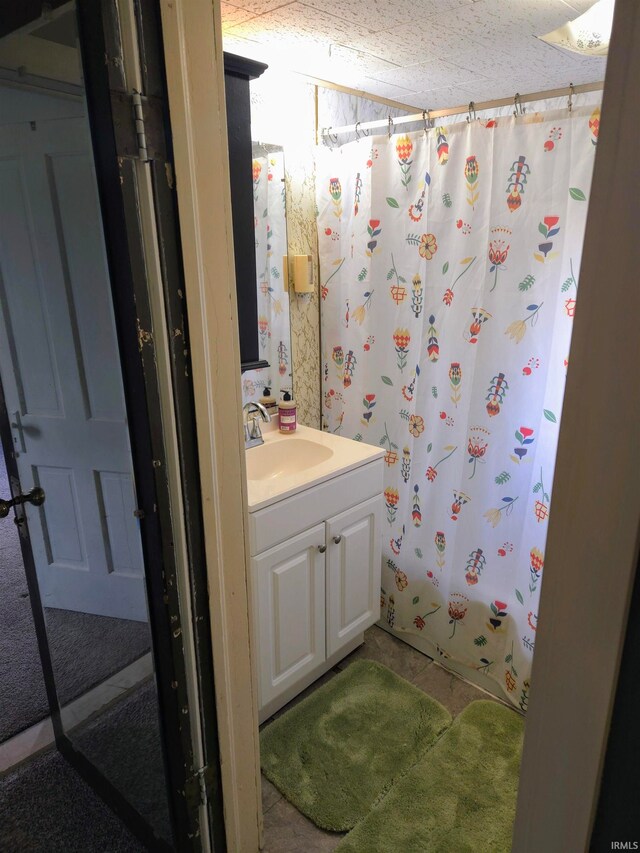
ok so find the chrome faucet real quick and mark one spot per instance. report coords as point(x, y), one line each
point(252, 434)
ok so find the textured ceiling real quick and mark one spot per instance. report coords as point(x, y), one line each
point(428, 53)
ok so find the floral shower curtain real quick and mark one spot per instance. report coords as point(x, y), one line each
point(273, 296)
point(449, 274)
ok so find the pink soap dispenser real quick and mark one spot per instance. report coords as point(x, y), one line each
point(287, 413)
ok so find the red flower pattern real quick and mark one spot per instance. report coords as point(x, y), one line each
point(409, 389)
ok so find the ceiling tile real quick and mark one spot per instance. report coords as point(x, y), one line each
point(585, 74)
point(534, 57)
point(439, 99)
point(474, 56)
point(384, 90)
point(596, 65)
point(489, 90)
point(244, 47)
point(358, 63)
point(397, 46)
point(441, 49)
point(379, 15)
point(489, 19)
point(232, 15)
point(501, 87)
point(260, 7)
point(426, 76)
point(299, 23)
point(577, 7)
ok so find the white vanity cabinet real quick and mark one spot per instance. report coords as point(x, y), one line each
point(315, 572)
point(352, 572)
point(290, 611)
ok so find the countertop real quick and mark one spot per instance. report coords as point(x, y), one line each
point(345, 456)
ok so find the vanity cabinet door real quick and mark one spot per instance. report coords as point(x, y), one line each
point(289, 608)
point(353, 572)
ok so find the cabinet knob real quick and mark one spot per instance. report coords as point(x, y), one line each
point(322, 548)
point(337, 539)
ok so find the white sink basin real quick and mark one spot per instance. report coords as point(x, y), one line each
point(283, 458)
point(288, 463)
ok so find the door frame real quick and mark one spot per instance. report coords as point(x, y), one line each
point(592, 545)
point(140, 233)
point(570, 702)
point(144, 219)
point(195, 81)
point(99, 37)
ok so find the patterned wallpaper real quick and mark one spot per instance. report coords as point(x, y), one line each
point(290, 121)
point(304, 308)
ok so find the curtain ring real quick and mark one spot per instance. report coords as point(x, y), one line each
point(426, 118)
point(390, 126)
point(472, 109)
point(326, 135)
point(517, 103)
point(357, 132)
point(572, 92)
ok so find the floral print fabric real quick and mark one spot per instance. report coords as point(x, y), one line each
point(274, 334)
point(449, 274)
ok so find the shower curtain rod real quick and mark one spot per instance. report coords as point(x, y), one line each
point(484, 105)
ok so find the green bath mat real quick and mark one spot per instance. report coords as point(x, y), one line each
point(460, 796)
point(338, 750)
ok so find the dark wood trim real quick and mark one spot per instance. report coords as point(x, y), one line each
point(247, 69)
point(168, 228)
point(238, 72)
point(253, 365)
point(99, 38)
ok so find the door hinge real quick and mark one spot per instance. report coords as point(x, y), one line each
point(138, 123)
point(138, 118)
point(198, 787)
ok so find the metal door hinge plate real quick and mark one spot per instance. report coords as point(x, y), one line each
point(138, 124)
point(198, 787)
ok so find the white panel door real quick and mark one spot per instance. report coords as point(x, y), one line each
point(61, 372)
point(353, 572)
point(289, 609)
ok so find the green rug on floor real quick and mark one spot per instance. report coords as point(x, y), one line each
point(460, 796)
point(338, 750)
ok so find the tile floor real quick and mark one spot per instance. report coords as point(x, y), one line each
point(285, 829)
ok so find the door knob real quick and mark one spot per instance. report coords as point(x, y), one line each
point(337, 539)
point(36, 497)
point(322, 548)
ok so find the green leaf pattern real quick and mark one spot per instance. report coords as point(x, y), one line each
point(459, 549)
